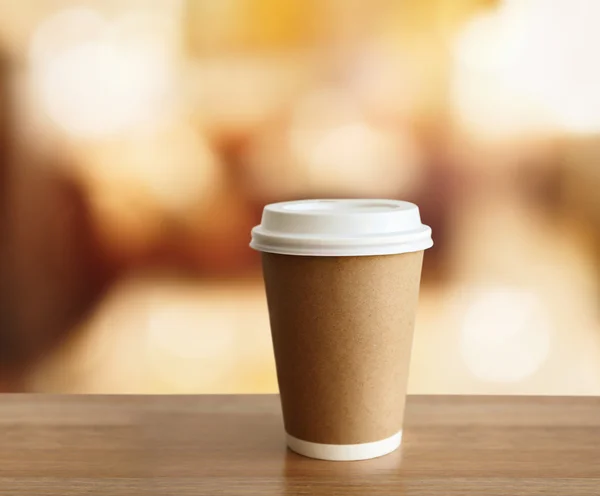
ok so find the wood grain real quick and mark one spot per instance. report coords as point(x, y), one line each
point(233, 445)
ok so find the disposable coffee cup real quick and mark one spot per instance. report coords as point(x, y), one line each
point(342, 281)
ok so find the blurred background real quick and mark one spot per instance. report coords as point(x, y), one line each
point(140, 140)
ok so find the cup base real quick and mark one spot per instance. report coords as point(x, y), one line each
point(345, 452)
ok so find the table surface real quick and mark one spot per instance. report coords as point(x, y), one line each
point(233, 445)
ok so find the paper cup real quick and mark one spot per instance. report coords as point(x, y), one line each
point(342, 280)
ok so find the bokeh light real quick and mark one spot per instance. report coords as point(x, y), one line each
point(138, 184)
point(506, 334)
point(529, 67)
point(93, 79)
point(336, 147)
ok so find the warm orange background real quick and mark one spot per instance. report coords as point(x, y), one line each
point(139, 141)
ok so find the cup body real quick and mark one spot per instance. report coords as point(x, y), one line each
point(342, 329)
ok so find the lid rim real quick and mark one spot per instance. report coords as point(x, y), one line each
point(349, 251)
point(422, 231)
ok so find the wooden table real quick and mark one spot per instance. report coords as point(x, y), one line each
point(233, 445)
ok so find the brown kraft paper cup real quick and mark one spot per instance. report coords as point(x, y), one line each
point(342, 331)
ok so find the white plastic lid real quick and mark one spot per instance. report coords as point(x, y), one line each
point(341, 228)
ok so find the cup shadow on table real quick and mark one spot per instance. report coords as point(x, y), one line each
point(303, 475)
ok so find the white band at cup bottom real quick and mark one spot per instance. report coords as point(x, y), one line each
point(345, 452)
